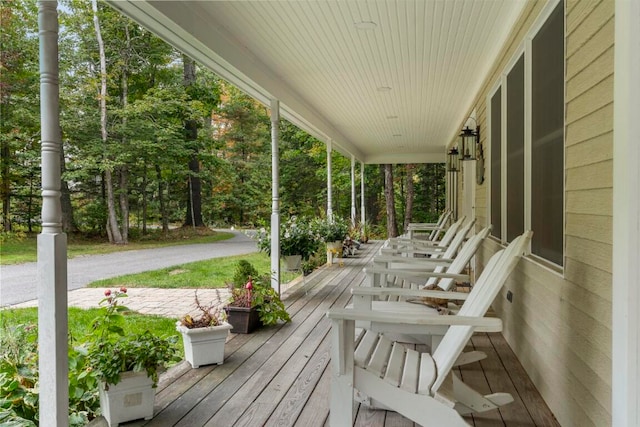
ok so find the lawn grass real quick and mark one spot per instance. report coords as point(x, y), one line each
point(19, 249)
point(214, 273)
point(80, 322)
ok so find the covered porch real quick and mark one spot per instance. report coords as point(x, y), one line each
point(281, 375)
point(574, 322)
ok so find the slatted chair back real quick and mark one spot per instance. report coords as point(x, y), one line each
point(450, 233)
point(442, 221)
point(499, 267)
point(467, 252)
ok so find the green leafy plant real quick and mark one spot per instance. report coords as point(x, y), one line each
point(258, 293)
point(297, 237)
point(243, 270)
point(19, 396)
point(110, 352)
point(331, 230)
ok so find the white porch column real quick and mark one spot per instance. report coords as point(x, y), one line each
point(275, 196)
point(362, 213)
point(329, 195)
point(353, 191)
point(625, 396)
point(52, 242)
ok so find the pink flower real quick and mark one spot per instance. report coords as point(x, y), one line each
point(249, 285)
point(107, 292)
point(123, 289)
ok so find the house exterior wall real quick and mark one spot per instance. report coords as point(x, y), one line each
point(559, 323)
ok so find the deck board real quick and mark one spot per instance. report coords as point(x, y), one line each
point(280, 376)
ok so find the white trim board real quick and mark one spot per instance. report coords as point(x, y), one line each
point(625, 408)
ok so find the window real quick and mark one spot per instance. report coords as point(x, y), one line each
point(515, 150)
point(496, 164)
point(547, 138)
point(526, 119)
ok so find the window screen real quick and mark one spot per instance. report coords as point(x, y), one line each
point(547, 138)
point(496, 164)
point(515, 150)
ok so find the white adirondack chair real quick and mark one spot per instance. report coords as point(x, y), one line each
point(394, 299)
point(417, 273)
point(441, 245)
point(406, 254)
point(415, 228)
point(420, 386)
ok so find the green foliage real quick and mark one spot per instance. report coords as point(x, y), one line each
point(330, 230)
point(110, 352)
point(297, 237)
point(19, 397)
point(258, 293)
point(244, 271)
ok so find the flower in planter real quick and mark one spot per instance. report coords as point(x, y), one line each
point(111, 353)
point(331, 230)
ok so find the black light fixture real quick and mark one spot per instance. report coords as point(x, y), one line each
point(469, 140)
point(453, 160)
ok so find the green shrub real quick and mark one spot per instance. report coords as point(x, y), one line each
point(244, 270)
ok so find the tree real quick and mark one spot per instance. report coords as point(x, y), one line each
point(194, 186)
point(19, 108)
point(408, 212)
point(392, 227)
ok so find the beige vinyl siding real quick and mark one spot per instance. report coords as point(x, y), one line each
point(559, 324)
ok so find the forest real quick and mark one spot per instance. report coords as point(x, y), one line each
point(152, 139)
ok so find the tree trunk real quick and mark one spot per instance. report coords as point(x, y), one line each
point(112, 222)
point(144, 198)
point(392, 228)
point(5, 187)
point(124, 170)
point(194, 188)
point(163, 208)
point(408, 211)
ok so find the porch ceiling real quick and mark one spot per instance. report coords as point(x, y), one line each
point(387, 81)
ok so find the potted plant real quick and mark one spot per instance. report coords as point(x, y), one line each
point(332, 231)
point(205, 336)
point(253, 303)
point(297, 242)
point(126, 366)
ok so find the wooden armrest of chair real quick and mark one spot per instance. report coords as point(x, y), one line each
point(408, 293)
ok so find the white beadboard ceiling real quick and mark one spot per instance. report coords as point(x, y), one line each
point(396, 91)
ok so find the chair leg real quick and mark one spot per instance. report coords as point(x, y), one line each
point(471, 401)
point(342, 347)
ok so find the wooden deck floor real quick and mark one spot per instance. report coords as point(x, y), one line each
point(279, 376)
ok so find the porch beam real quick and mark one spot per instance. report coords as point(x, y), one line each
point(52, 242)
point(625, 396)
point(275, 196)
point(329, 172)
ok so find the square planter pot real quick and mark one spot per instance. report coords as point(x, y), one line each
point(243, 320)
point(204, 346)
point(292, 262)
point(130, 399)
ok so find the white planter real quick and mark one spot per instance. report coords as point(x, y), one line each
point(130, 399)
point(204, 346)
point(292, 262)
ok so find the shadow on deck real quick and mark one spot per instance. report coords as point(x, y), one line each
point(279, 376)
